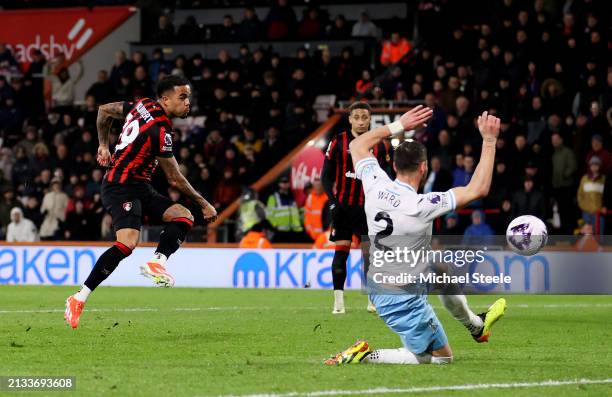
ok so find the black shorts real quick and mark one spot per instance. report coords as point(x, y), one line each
point(128, 202)
point(346, 221)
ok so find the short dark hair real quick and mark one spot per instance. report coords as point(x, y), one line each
point(408, 156)
point(168, 83)
point(360, 105)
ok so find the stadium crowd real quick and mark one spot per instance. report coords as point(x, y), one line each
point(543, 69)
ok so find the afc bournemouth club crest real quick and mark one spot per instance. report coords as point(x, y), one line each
point(127, 206)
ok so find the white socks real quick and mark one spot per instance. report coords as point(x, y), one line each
point(403, 356)
point(83, 294)
point(458, 307)
point(338, 301)
point(159, 258)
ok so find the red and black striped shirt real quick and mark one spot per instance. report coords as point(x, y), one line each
point(338, 167)
point(146, 134)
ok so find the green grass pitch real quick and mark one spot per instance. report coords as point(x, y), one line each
point(217, 342)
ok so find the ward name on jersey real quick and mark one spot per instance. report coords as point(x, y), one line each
point(146, 134)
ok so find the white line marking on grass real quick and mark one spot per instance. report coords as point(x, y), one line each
point(410, 390)
point(277, 308)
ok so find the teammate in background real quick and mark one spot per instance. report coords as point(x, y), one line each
point(127, 194)
point(347, 200)
point(408, 315)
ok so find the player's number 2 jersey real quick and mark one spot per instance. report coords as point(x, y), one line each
point(395, 208)
point(146, 135)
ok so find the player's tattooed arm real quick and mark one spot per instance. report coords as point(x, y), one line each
point(106, 114)
point(178, 180)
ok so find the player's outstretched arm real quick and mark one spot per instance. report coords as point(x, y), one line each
point(178, 180)
point(106, 114)
point(415, 118)
point(480, 183)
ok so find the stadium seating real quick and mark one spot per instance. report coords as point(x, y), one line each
point(542, 69)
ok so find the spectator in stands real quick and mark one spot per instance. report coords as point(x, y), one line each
point(283, 214)
point(339, 29)
point(248, 138)
point(53, 208)
point(598, 150)
point(227, 189)
point(444, 150)
point(528, 201)
point(40, 159)
point(250, 28)
point(364, 27)
point(8, 202)
point(479, 232)
point(273, 147)
point(439, 179)
point(6, 163)
point(157, 65)
point(31, 211)
point(393, 50)
point(563, 172)
point(21, 172)
point(63, 85)
point(464, 171)
point(228, 32)
point(20, 229)
point(79, 224)
point(189, 31)
point(450, 227)
point(311, 27)
point(591, 193)
point(280, 21)
point(164, 32)
point(500, 185)
point(122, 67)
point(315, 205)
point(6, 56)
point(364, 84)
point(141, 85)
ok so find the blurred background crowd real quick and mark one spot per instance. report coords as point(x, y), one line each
point(542, 66)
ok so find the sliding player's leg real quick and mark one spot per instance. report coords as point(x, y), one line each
point(479, 325)
point(127, 239)
point(179, 222)
point(415, 322)
point(417, 325)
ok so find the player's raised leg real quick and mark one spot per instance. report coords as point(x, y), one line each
point(127, 239)
point(179, 221)
point(479, 325)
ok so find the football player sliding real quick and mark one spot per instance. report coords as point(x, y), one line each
point(409, 315)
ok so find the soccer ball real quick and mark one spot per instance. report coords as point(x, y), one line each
point(526, 235)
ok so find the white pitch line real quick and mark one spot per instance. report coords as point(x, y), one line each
point(410, 390)
point(322, 308)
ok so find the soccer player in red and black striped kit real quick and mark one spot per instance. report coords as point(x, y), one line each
point(145, 142)
point(345, 192)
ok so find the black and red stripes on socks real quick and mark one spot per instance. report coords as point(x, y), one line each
point(107, 263)
point(339, 266)
point(173, 236)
